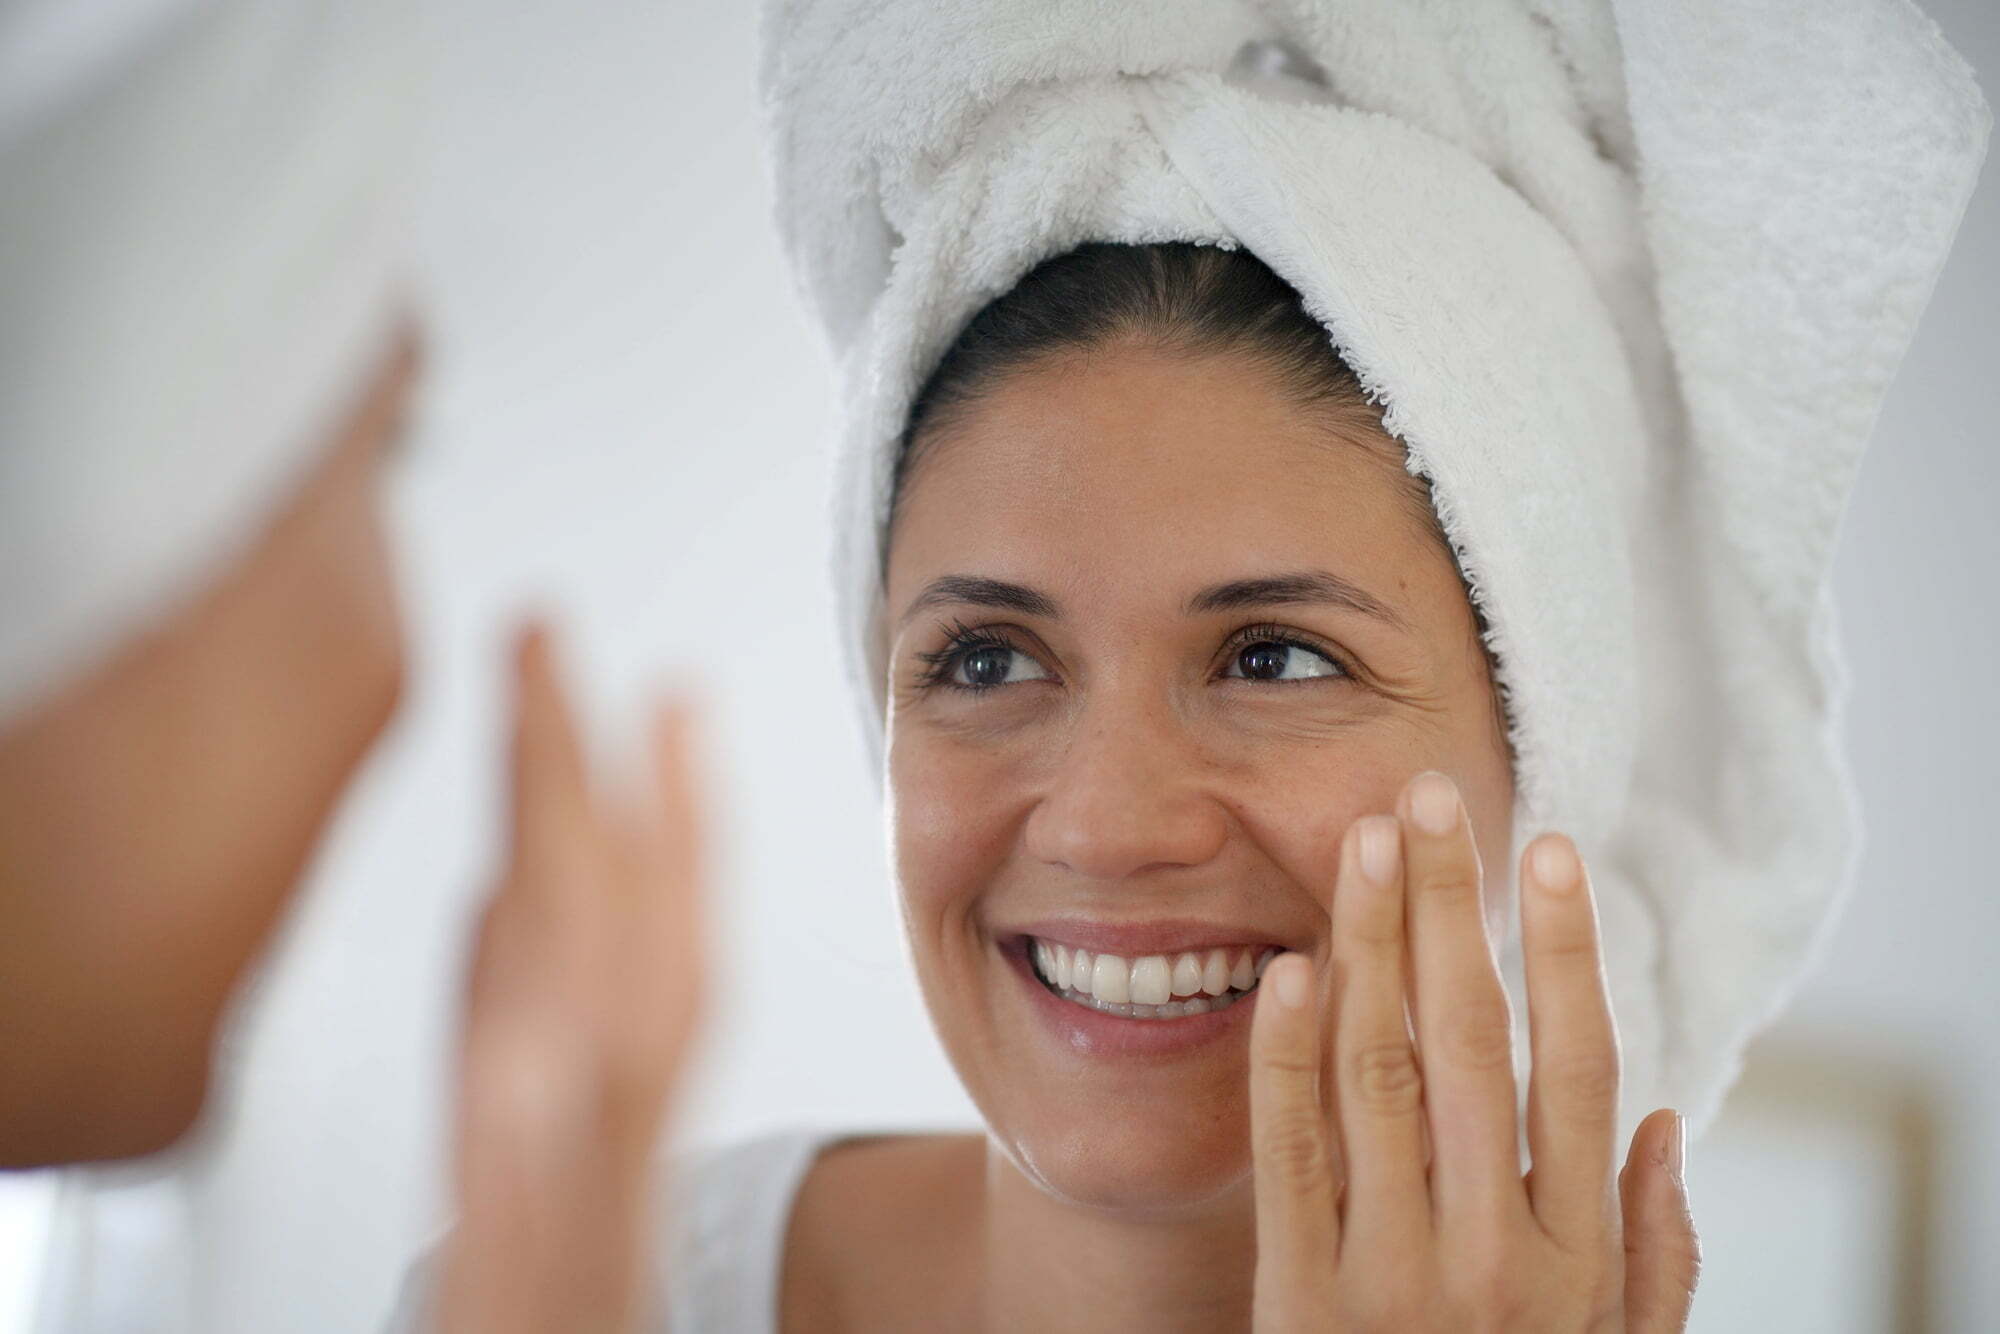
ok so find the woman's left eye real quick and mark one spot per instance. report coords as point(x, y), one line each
point(1273, 660)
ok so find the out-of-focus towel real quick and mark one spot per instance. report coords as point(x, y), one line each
point(202, 250)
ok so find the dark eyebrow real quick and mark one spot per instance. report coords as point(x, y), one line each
point(1267, 591)
point(983, 593)
point(1300, 586)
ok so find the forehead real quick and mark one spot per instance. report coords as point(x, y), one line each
point(1145, 468)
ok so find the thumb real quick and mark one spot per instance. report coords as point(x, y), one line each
point(1662, 1253)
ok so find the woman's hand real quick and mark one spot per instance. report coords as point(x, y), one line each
point(581, 1002)
point(1396, 1202)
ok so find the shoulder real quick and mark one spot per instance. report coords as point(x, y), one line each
point(873, 1173)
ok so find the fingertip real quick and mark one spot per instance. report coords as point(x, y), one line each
point(1290, 978)
point(677, 816)
point(537, 695)
point(539, 698)
point(1662, 1247)
point(1551, 864)
point(531, 637)
point(549, 762)
point(1659, 1147)
point(1673, 1155)
point(675, 714)
point(675, 728)
point(1431, 802)
point(668, 730)
point(1376, 843)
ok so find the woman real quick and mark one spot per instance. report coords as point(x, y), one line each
point(1313, 473)
point(1178, 664)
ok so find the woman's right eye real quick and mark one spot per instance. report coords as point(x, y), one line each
point(989, 665)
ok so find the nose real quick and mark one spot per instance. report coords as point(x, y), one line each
point(1127, 795)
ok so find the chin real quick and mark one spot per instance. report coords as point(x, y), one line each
point(1165, 1168)
point(115, 1112)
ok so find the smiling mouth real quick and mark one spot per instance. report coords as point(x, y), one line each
point(1153, 986)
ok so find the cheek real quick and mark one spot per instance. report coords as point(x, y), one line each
point(958, 806)
point(1296, 801)
point(952, 809)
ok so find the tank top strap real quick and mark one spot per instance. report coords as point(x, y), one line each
point(726, 1213)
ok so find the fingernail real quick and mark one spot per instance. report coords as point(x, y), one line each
point(1380, 844)
point(531, 638)
point(1554, 862)
point(673, 716)
point(1290, 978)
point(1434, 802)
point(1673, 1155)
point(679, 704)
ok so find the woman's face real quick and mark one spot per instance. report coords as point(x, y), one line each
point(1157, 636)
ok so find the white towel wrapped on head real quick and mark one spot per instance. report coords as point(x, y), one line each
point(1629, 281)
point(203, 253)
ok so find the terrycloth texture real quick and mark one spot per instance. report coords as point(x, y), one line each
point(201, 243)
point(1629, 279)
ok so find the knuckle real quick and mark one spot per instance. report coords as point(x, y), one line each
point(1449, 882)
point(1378, 929)
point(1479, 1042)
point(1486, 1292)
point(629, 1076)
point(1490, 1277)
point(1570, 944)
point(1292, 1066)
point(559, 857)
point(1294, 1146)
point(1399, 1297)
point(1585, 1080)
point(1384, 1077)
point(1505, 1307)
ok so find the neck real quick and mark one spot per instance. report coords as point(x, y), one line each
point(1052, 1266)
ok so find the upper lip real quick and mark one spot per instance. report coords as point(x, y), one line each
point(1175, 935)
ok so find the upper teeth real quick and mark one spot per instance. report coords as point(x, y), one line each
point(1151, 979)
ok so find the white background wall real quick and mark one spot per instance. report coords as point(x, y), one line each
point(629, 416)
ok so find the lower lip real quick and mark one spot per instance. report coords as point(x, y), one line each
point(1095, 1033)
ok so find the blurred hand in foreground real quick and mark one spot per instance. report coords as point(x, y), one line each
point(582, 999)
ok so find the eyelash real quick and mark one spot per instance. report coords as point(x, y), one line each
point(962, 640)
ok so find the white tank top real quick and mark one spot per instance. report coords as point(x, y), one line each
point(723, 1248)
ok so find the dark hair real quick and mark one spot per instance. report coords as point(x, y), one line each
point(1178, 296)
